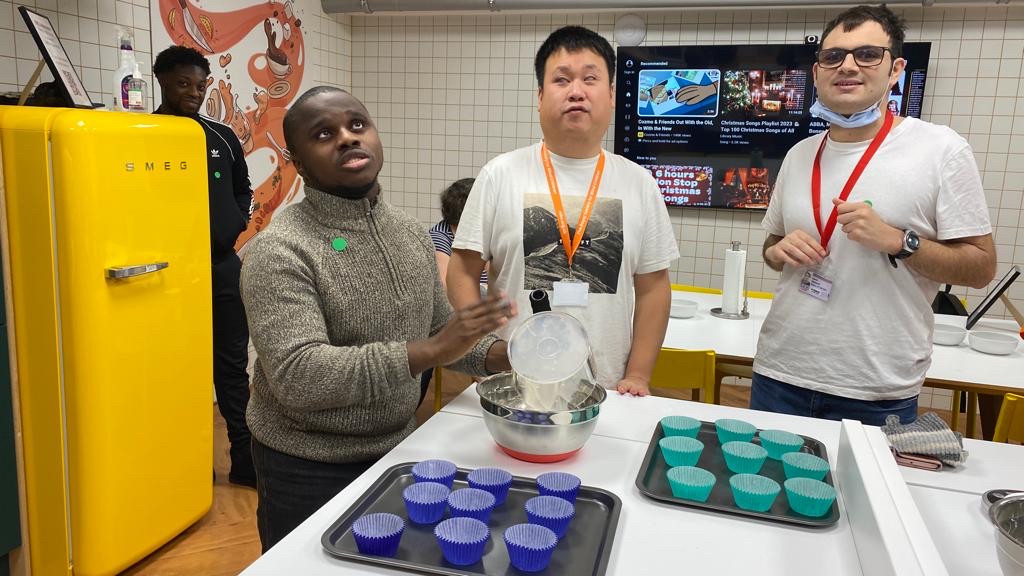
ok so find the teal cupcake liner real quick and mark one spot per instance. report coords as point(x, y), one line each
point(493, 480)
point(779, 442)
point(691, 483)
point(378, 534)
point(753, 492)
point(744, 457)
point(809, 497)
point(462, 540)
point(730, 430)
point(804, 465)
point(530, 546)
point(471, 503)
point(681, 450)
point(680, 426)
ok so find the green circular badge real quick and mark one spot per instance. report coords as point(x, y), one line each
point(216, 174)
point(339, 244)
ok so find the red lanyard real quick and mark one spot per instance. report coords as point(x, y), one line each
point(826, 233)
point(556, 200)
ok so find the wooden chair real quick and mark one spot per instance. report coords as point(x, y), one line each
point(438, 389)
point(972, 411)
point(687, 369)
point(1010, 425)
point(738, 370)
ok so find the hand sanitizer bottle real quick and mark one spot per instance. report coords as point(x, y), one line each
point(136, 91)
point(123, 74)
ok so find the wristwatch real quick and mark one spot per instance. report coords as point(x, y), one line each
point(911, 242)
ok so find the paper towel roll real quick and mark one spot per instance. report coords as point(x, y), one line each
point(732, 286)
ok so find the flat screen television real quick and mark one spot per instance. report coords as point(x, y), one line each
point(713, 123)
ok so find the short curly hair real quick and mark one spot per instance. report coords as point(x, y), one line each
point(175, 56)
point(894, 25)
point(453, 200)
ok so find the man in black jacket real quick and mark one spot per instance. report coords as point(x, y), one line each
point(183, 74)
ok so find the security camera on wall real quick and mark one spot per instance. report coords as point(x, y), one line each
point(811, 39)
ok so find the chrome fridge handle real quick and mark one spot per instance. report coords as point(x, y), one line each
point(121, 272)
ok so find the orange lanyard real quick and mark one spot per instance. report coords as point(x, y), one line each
point(556, 200)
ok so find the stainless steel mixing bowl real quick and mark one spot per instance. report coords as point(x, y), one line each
point(1008, 517)
point(537, 435)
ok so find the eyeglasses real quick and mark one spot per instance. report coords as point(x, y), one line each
point(862, 55)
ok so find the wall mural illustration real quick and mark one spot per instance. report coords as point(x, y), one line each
point(257, 60)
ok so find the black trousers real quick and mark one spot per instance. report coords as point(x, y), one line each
point(290, 489)
point(230, 360)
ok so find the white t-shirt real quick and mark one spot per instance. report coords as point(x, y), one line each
point(873, 339)
point(510, 220)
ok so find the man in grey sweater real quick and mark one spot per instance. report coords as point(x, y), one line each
point(345, 310)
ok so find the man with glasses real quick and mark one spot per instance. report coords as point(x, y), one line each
point(866, 220)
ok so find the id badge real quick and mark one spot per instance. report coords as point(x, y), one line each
point(570, 293)
point(816, 282)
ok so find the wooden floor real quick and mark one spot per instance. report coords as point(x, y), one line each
point(225, 541)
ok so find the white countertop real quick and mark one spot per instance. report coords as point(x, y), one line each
point(656, 538)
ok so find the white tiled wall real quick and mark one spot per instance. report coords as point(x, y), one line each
point(451, 92)
point(88, 30)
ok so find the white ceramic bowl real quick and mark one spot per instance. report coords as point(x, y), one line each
point(992, 342)
point(683, 308)
point(949, 335)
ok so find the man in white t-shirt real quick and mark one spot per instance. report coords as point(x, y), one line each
point(620, 249)
point(849, 334)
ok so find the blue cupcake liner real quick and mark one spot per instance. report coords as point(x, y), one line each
point(530, 546)
point(809, 497)
point(680, 426)
point(753, 492)
point(561, 484)
point(378, 534)
point(551, 512)
point(804, 465)
point(462, 540)
point(691, 483)
point(732, 430)
point(681, 450)
point(744, 457)
point(471, 503)
point(425, 502)
point(779, 442)
point(440, 471)
point(494, 480)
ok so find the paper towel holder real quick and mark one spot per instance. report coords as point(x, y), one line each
point(742, 314)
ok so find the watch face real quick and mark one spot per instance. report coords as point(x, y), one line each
point(913, 242)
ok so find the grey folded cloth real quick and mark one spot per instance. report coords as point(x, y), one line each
point(928, 435)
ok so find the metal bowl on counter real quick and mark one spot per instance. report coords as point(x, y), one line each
point(536, 435)
point(1008, 517)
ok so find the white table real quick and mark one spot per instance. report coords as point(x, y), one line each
point(655, 538)
point(953, 367)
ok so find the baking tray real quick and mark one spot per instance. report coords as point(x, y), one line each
point(653, 482)
point(584, 550)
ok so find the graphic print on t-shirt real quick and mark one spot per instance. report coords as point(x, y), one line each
point(598, 257)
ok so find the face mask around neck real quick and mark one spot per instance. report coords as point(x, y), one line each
point(860, 119)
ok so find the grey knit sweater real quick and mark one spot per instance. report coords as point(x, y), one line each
point(333, 290)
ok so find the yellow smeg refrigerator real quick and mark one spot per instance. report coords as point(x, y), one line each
point(106, 236)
